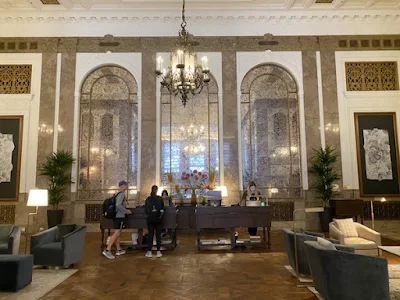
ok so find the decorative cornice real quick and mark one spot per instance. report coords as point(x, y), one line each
point(277, 16)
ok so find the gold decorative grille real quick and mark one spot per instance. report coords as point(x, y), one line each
point(372, 76)
point(15, 79)
point(7, 214)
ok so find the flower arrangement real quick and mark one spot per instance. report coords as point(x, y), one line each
point(194, 180)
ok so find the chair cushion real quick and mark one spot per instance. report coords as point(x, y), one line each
point(359, 243)
point(346, 226)
point(5, 231)
point(326, 244)
point(52, 246)
point(4, 247)
point(63, 230)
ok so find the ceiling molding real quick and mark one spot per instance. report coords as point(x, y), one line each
point(370, 3)
point(289, 3)
point(86, 4)
point(337, 3)
point(68, 4)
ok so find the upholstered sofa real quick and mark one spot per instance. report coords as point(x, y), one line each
point(288, 238)
point(365, 241)
point(10, 236)
point(347, 276)
point(61, 245)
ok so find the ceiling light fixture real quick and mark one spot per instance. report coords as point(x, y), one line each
point(184, 75)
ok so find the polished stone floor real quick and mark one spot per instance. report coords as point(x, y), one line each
point(185, 274)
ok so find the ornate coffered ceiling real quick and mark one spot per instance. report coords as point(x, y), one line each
point(79, 18)
point(194, 5)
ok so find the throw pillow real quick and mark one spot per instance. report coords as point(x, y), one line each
point(63, 230)
point(346, 226)
point(325, 244)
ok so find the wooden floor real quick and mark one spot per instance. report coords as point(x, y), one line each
point(183, 274)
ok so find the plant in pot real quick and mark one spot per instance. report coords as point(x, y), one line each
point(57, 168)
point(322, 167)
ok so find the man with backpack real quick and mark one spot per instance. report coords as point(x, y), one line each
point(154, 209)
point(119, 219)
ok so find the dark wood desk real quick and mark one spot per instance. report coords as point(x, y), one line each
point(137, 220)
point(348, 208)
point(232, 217)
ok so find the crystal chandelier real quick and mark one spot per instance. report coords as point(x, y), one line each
point(184, 75)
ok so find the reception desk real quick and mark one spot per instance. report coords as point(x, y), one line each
point(137, 220)
point(232, 217)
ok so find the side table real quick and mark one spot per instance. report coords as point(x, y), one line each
point(27, 236)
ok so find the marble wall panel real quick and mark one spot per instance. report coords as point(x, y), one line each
point(311, 107)
point(331, 110)
point(46, 111)
point(230, 126)
point(149, 119)
point(66, 105)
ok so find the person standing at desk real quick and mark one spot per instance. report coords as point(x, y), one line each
point(154, 209)
point(251, 194)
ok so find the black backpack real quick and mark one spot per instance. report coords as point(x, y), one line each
point(154, 210)
point(109, 207)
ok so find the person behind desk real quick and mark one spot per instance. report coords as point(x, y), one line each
point(154, 209)
point(164, 195)
point(251, 194)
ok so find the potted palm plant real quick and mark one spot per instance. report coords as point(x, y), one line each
point(322, 167)
point(56, 168)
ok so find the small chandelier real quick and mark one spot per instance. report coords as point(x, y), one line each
point(184, 75)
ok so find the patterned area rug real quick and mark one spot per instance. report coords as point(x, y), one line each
point(394, 284)
point(43, 281)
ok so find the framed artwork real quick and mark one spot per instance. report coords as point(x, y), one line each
point(10, 156)
point(377, 154)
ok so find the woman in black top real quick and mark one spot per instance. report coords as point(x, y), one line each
point(154, 209)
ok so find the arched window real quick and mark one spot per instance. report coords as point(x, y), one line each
point(108, 132)
point(190, 135)
point(270, 131)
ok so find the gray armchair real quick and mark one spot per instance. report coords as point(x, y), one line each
point(288, 238)
point(347, 276)
point(59, 246)
point(10, 236)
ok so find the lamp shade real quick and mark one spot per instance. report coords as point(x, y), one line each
point(223, 190)
point(38, 198)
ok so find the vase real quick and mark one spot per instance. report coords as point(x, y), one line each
point(193, 199)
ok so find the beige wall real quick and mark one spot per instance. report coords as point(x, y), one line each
point(148, 47)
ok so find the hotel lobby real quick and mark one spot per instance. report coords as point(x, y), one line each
point(270, 128)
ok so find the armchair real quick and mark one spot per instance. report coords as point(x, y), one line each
point(10, 236)
point(288, 237)
point(366, 242)
point(347, 276)
point(59, 246)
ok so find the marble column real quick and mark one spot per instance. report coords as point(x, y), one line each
point(331, 110)
point(313, 138)
point(66, 121)
point(46, 111)
point(149, 122)
point(230, 124)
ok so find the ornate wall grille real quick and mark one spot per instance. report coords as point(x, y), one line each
point(92, 213)
point(372, 76)
point(7, 214)
point(15, 79)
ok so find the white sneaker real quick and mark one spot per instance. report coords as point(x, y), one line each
point(120, 252)
point(108, 254)
point(149, 254)
point(159, 254)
